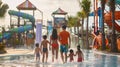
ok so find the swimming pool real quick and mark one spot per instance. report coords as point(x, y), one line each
point(91, 59)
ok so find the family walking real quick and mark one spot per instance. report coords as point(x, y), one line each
point(63, 38)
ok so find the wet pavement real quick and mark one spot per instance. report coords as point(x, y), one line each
point(91, 59)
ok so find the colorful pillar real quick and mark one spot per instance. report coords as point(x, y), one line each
point(96, 15)
point(38, 33)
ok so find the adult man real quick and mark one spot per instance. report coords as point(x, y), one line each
point(64, 37)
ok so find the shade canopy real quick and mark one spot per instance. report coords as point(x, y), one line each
point(27, 5)
point(59, 11)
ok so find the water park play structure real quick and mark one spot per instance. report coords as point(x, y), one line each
point(8, 34)
point(108, 20)
point(25, 23)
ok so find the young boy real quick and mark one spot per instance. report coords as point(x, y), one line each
point(37, 52)
point(44, 46)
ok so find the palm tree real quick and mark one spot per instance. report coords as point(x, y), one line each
point(78, 25)
point(112, 9)
point(75, 21)
point(3, 9)
point(85, 4)
point(81, 16)
point(72, 21)
point(103, 33)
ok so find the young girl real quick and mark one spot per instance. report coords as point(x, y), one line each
point(54, 43)
point(71, 54)
point(79, 54)
point(37, 52)
point(44, 46)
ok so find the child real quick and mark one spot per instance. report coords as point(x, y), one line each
point(79, 54)
point(71, 55)
point(44, 46)
point(37, 52)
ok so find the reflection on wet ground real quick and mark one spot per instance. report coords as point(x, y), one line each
point(90, 60)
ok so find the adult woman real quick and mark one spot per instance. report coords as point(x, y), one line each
point(118, 43)
point(54, 42)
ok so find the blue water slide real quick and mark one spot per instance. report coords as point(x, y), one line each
point(21, 29)
point(23, 15)
point(7, 34)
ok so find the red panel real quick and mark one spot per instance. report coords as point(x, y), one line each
point(108, 19)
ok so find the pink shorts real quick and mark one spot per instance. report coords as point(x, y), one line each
point(79, 59)
point(71, 59)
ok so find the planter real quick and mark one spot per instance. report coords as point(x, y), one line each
point(2, 49)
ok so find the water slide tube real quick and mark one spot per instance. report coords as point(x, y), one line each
point(116, 1)
point(108, 19)
point(21, 29)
